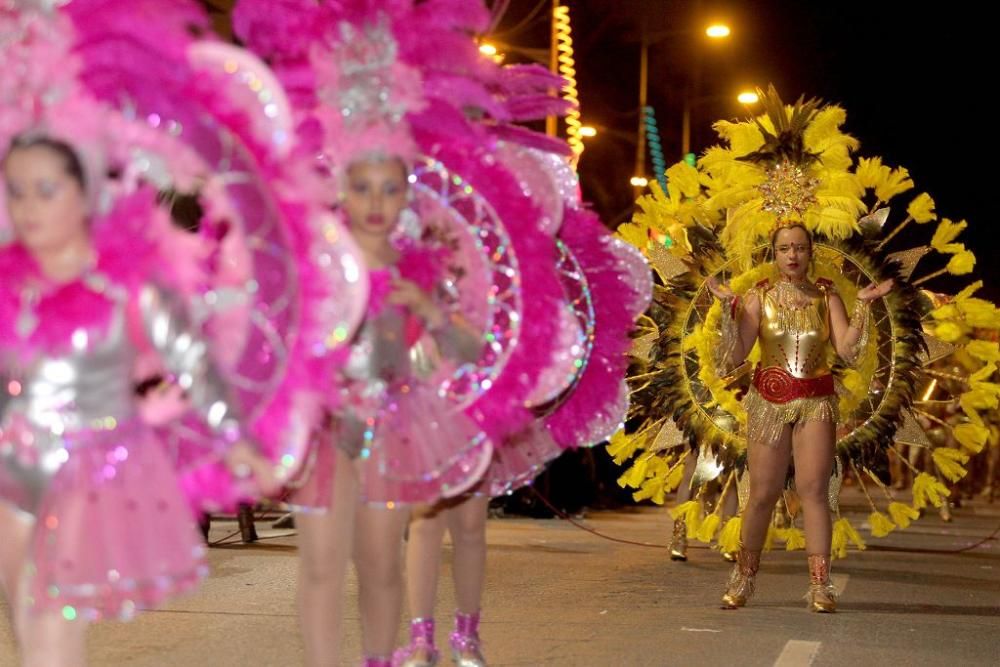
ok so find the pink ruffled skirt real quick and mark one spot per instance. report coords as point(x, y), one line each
point(113, 533)
point(420, 448)
point(519, 461)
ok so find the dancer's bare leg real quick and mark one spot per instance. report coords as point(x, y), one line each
point(768, 467)
point(46, 639)
point(423, 568)
point(813, 444)
point(378, 559)
point(467, 527)
point(678, 539)
point(49, 640)
point(465, 520)
point(423, 558)
point(325, 544)
point(16, 529)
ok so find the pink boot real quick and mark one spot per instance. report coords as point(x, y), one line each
point(465, 644)
point(421, 651)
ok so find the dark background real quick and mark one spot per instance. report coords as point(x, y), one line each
point(917, 82)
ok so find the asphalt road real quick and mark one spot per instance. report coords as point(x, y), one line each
point(559, 596)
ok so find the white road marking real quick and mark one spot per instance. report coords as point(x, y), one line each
point(797, 653)
point(699, 630)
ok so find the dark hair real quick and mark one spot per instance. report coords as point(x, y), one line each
point(794, 225)
point(186, 210)
point(74, 165)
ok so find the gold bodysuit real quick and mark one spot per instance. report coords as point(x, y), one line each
point(793, 383)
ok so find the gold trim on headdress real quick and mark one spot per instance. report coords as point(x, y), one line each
point(788, 192)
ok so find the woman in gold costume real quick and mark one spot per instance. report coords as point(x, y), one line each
point(786, 184)
point(792, 405)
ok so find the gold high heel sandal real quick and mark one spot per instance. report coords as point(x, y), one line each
point(741, 581)
point(679, 542)
point(822, 596)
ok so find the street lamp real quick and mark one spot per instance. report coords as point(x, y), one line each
point(718, 31)
point(639, 181)
point(492, 52)
point(588, 131)
point(748, 97)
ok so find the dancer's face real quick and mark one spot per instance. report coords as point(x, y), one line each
point(375, 195)
point(46, 204)
point(792, 252)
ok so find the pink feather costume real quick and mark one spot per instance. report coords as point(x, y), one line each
point(75, 458)
point(296, 275)
point(113, 531)
point(437, 72)
point(416, 445)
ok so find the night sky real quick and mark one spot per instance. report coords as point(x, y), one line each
point(912, 79)
point(915, 80)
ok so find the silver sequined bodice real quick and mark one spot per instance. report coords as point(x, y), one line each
point(379, 352)
point(53, 400)
point(75, 389)
point(382, 358)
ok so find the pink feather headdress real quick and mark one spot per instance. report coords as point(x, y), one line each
point(164, 104)
point(369, 74)
point(41, 93)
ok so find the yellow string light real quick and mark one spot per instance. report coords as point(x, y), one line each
point(567, 68)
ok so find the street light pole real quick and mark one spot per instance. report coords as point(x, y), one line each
point(640, 149)
point(691, 96)
point(686, 125)
point(692, 88)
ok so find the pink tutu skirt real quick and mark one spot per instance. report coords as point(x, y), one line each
point(521, 458)
point(312, 488)
point(420, 448)
point(113, 533)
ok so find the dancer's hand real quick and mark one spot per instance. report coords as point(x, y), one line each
point(245, 462)
point(720, 290)
point(407, 293)
point(874, 291)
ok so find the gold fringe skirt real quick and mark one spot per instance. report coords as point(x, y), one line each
point(765, 420)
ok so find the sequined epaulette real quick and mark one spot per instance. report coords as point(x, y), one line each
point(825, 284)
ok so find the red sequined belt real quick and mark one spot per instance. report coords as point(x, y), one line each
point(779, 386)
